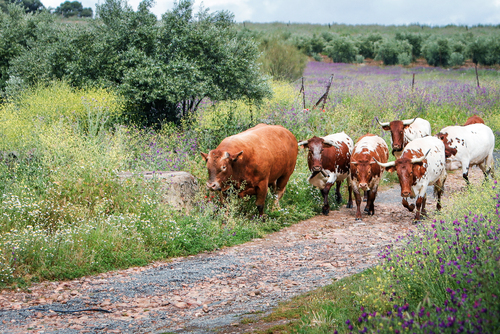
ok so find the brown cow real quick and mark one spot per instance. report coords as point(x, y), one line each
point(422, 164)
point(328, 161)
point(402, 132)
point(259, 157)
point(365, 172)
point(474, 120)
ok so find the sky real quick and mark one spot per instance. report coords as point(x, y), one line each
point(384, 12)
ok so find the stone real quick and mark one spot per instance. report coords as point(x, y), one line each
point(177, 188)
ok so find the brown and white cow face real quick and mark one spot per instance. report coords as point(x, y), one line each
point(409, 170)
point(450, 144)
point(220, 168)
point(315, 145)
point(364, 172)
point(397, 129)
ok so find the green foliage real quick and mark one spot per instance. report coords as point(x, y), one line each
point(415, 40)
point(73, 8)
point(163, 69)
point(388, 50)
point(359, 59)
point(404, 59)
point(484, 50)
point(437, 51)
point(282, 61)
point(29, 6)
point(456, 59)
point(342, 50)
point(366, 44)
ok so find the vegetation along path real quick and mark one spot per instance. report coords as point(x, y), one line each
point(215, 291)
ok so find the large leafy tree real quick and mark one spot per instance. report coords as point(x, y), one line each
point(164, 68)
point(73, 8)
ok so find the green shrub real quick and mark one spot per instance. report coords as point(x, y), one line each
point(404, 59)
point(484, 50)
point(366, 44)
point(437, 51)
point(282, 61)
point(389, 49)
point(342, 50)
point(415, 40)
point(359, 59)
point(456, 59)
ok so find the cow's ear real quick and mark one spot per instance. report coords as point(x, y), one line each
point(236, 156)
point(390, 169)
point(204, 155)
point(386, 127)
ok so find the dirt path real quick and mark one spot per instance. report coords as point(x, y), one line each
point(211, 291)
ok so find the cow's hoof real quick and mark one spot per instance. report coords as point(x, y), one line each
point(358, 219)
point(326, 211)
point(367, 210)
point(338, 199)
point(349, 205)
point(411, 207)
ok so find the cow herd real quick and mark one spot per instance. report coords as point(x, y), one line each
point(265, 156)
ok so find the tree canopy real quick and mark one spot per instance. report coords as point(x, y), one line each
point(73, 8)
point(163, 68)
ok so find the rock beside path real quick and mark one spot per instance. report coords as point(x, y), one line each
point(177, 188)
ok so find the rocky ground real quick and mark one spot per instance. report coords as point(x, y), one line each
point(214, 292)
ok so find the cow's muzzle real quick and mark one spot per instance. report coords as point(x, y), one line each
point(317, 168)
point(405, 193)
point(215, 186)
point(364, 186)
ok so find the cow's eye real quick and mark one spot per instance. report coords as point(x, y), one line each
point(223, 167)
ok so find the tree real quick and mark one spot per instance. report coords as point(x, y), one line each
point(30, 6)
point(164, 69)
point(73, 8)
point(342, 50)
point(437, 51)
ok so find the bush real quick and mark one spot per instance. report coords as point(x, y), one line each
point(366, 45)
point(282, 61)
point(359, 59)
point(404, 59)
point(342, 50)
point(457, 59)
point(389, 49)
point(484, 50)
point(415, 41)
point(437, 51)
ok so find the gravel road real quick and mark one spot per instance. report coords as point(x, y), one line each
point(214, 291)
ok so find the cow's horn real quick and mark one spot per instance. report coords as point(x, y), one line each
point(409, 121)
point(416, 160)
point(303, 142)
point(329, 142)
point(382, 124)
point(385, 165)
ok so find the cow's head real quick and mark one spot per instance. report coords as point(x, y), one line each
point(409, 169)
point(316, 145)
point(397, 129)
point(364, 171)
point(448, 149)
point(220, 168)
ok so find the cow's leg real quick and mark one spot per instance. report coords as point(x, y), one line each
point(338, 195)
point(419, 206)
point(280, 189)
point(424, 201)
point(410, 207)
point(371, 201)
point(439, 189)
point(261, 193)
point(325, 191)
point(349, 190)
point(247, 192)
point(465, 171)
point(367, 195)
point(357, 195)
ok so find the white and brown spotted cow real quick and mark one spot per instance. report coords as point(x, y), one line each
point(365, 172)
point(421, 164)
point(328, 161)
point(467, 146)
point(403, 132)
